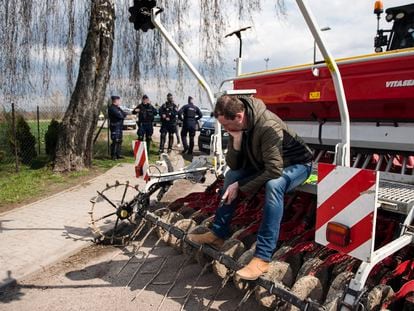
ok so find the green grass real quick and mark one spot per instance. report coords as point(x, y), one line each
point(101, 149)
point(7, 153)
point(43, 125)
point(37, 180)
point(30, 182)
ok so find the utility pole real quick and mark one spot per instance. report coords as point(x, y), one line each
point(238, 60)
point(267, 62)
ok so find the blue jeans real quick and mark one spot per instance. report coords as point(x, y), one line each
point(268, 234)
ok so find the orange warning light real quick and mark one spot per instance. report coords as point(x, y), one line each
point(378, 7)
point(338, 234)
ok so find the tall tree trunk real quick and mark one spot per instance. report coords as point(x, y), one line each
point(74, 147)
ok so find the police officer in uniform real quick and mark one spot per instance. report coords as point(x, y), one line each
point(116, 118)
point(146, 113)
point(189, 114)
point(168, 113)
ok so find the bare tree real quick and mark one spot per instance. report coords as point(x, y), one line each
point(40, 40)
point(74, 148)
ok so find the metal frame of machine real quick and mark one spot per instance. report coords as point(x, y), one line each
point(341, 133)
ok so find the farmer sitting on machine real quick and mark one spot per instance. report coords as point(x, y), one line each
point(262, 151)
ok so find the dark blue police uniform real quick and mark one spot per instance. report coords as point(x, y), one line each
point(168, 115)
point(116, 118)
point(146, 114)
point(189, 114)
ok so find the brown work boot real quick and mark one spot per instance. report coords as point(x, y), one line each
point(206, 238)
point(253, 270)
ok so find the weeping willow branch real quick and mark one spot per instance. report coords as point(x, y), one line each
point(42, 40)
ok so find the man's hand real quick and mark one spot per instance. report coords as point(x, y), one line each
point(231, 193)
point(237, 139)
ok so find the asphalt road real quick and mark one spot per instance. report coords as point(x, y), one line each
point(92, 279)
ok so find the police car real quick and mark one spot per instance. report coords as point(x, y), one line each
point(130, 120)
point(206, 130)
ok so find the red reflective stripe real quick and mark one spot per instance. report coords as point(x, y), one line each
point(138, 171)
point(140, 165)
point(136, 146)
point(324, 170)
point(344, 196)
point(360, 233)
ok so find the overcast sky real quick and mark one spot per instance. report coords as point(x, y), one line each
point(287, 41)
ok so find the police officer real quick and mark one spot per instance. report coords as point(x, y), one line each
point(146, 113)
point(116, 118)
point(189, 114)
point(168, 113)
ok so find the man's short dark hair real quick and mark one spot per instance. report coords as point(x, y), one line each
point(115, 97)
point(228, 106)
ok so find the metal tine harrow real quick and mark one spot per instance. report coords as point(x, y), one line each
point(301, 255)
point(246, 297)
point(137, 250)
point(164, 261)
point(190, 291)
point(157, 272)
point(176, 277)
point(223, 284)
point(107, 210)
point(171, 227)
point(112, 206)
point(214, 255)
point(145, 258)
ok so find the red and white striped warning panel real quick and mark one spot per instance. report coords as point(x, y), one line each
point(346, 209)
point(141, 159)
